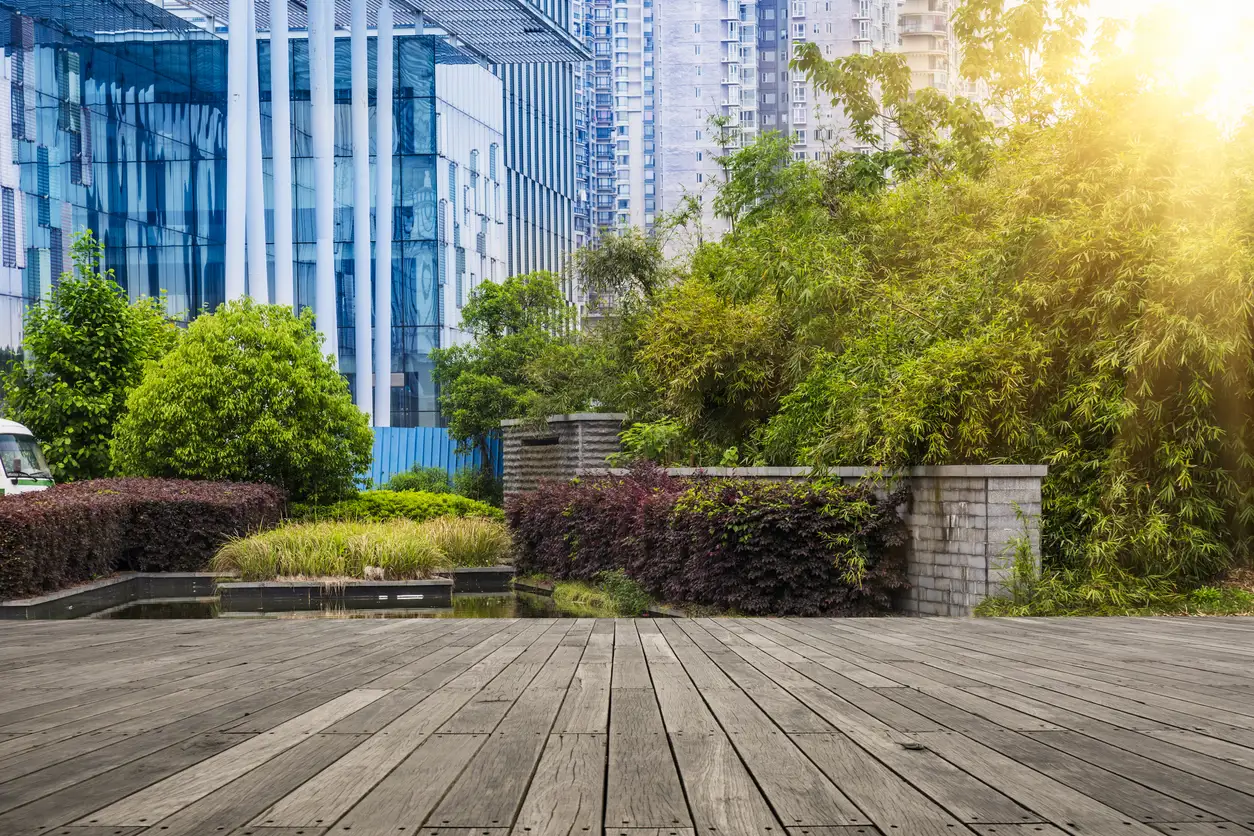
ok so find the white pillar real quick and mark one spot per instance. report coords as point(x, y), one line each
point(361, 212)
point(258, 273)
point(383, 222)
point(281, 143)
point(322, 100)
point(236, 144)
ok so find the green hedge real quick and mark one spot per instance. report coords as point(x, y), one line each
point(418, 506)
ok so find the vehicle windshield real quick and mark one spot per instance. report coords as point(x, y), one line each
point(20, 456)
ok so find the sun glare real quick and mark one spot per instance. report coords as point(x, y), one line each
point(1211, 49)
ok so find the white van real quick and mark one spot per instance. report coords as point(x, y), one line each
point(22, 465)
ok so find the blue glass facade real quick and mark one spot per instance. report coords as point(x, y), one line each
point(415, 292)
point(121, 136)
point(113, 118)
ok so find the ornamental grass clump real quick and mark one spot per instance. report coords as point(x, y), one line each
point(398, 548)
point(470, 541)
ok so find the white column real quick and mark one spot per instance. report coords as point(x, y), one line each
point(321, 41)
point(383, 222)
point(258, 278)
point(361, 212)
point(281, 143)
point(236, 144)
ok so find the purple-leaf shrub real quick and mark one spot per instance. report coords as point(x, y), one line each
point(755, 547)
point(79, 531)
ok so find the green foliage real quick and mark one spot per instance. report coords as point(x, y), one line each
point(247, 395)
point(611, 595)
point(419, 478)
point(931, 133)
point(582, 600)
point(470, 541)
point(1070, 592)
point(763, 177)
point(400, 549)
point(628, 597)
point(1077, 293)
point(416, 506)
point(662, 442)
point(624, 263)
point(86, 347)
point(480, 485)
point(485, 381)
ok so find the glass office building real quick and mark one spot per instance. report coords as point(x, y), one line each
point(113, 117)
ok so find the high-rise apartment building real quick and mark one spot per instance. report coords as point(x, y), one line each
point(706, 92)
point(929, 47)
point(615, 101)
point(790, 103)
point(676, 84)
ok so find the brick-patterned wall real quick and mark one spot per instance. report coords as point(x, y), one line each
point(964, 520)
point(566, 446)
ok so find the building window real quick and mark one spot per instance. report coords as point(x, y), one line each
point(700, 178)
point(696, 28)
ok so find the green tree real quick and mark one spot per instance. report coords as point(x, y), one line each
point(1075, 290)
point(247, 395)
point(86, 347)
point(485, 381)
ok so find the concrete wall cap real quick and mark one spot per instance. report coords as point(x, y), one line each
point(978, 471)
point(608, 417)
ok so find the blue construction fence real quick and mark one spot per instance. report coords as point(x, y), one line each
point(397, 449)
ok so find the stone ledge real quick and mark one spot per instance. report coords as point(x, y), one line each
point(960, 471)
point(618, 417)
point(106, 593)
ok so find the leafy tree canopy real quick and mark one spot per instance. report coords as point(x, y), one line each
point(1074, 288)
point(86, 347)
point(485, 381)
point(247, 395)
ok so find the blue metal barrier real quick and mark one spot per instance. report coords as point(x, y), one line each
point(397, 449)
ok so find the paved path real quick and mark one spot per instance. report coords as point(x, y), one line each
point(733, 727)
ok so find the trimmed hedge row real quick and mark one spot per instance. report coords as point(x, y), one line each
point(78, 531)
point(758, 548)
point(418, 506)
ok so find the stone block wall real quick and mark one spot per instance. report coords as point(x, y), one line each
point(965, 524)
point(568, 445)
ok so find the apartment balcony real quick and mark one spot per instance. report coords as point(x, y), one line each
point(938, 79)
point(915, 23)
point(919, 46)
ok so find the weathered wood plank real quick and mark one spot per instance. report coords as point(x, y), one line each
point(250, 794)
point(411, 791)
point(643, 787)
point(178, 791)
point(566, 795)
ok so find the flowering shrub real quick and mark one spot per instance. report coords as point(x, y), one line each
point(778, 548)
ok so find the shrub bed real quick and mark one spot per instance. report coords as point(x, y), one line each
point(758, 548)
point(417, 506)
point(78, 531)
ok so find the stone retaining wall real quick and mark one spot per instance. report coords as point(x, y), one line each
point(965, 521)
point(559, 451)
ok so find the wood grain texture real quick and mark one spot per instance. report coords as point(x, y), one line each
point(620, 727)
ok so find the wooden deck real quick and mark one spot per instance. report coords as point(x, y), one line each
point(729, 727)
